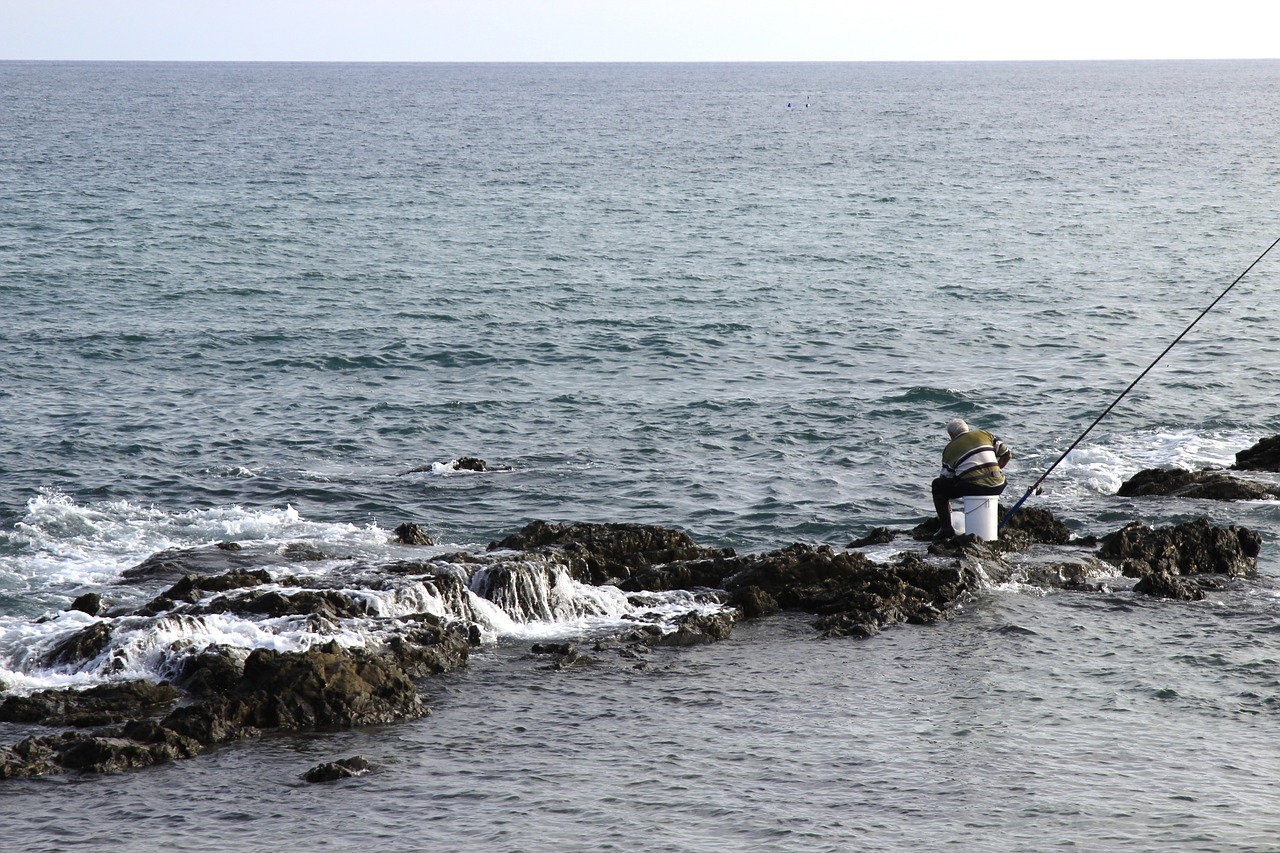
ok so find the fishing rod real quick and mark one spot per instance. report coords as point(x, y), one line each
point(1114, 402)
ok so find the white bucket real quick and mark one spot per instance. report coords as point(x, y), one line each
point(957, 522)
point(981, 516)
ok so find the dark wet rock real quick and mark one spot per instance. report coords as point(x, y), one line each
point(38, 756)
point(847, 624)
point(211, 671)
point(191, 588)
point(966, 545)
point(1163, 584)
point(344, 768)
point(1192, 548)
point(1181, 483)
point(328, 604)
point(694, 629)
point(1263, 456)
point(683, 574)
point(84, 645)
point(562, 655)
point(327, 686)
point(608, 553)
point(230, 546)
point(90, 603)
point(30, 757)
point(433, 646)
point(95, 706)
point(1034, 524)
point(878, 536)
point(551, 648)
point(229, 694)
point(413, 534)
point(828, 583)
point(464, 463)
point(753, 602)
point(305, 552)
point(177, 562)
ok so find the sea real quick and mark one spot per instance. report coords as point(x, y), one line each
point(273, 304)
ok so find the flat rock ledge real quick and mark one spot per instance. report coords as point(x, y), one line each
point(218, 695)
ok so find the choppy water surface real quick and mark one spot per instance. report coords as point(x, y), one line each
point(241, 302)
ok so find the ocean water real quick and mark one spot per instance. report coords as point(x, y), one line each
point(244, 302)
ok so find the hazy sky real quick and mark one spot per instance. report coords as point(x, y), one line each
point(636, 30)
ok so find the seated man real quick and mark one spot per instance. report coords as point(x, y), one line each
point(972, 464)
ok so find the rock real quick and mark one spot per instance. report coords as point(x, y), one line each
point(1185, 549)
point(464, 463)
point(212, 560)
point(563, 655)
point(1180, 483)
point(878, 536)
point(328, 604)
point(191, 588)
point(82, 646)
point(90, 603)
point(211, 671)
point(753, 602)
point(683, 574)
point(1163, 584)
point(824, 582)
point(413, 534)
point(1263, 456)
point(608, 553)
point(1035, 525)
point(30, 757)
point(327, 686)
point(694, 629)
point(433, 646)
point(95, 706)
point(345, 768)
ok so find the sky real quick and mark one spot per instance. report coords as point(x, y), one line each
point(636, 30)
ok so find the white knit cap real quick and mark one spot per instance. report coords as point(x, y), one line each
point(957, 427)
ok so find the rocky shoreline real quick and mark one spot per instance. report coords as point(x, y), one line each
point(419, 618)
point(219, 694)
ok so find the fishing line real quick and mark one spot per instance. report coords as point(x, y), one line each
point(1107, 411)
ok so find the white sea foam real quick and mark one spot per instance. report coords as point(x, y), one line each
point(1102, 467)
point(65, 544)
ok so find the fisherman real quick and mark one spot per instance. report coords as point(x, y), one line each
point(972, 464)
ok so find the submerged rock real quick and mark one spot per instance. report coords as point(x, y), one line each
point(1181, 483)
point(1263, 456)
point(344, 768)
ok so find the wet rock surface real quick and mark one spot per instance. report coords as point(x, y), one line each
point(1263, 456)
point(608, 553)
point(1193, 548)
point(1208, 484)
point(344, 768)
point(216, 693)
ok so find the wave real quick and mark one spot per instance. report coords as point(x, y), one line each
point(370, 585)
